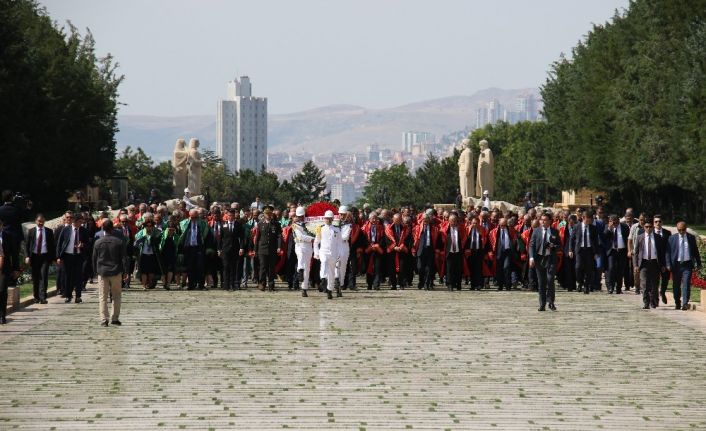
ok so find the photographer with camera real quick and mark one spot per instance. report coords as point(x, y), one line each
point(14, 209)
point(543, 250)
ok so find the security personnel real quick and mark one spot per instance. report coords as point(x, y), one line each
point(268, 243)
point(304, 249)
point(327, 248)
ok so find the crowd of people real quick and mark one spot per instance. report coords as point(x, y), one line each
point(230, 247)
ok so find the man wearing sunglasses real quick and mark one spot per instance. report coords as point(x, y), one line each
point(663, 275)
point(684, 258)
point(650, 258)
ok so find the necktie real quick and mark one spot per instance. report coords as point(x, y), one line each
point(649, 247)
point(427, 235)
point(585, 235)
point(39, 240)
point(544, 240)
point(373, 232)
point(474, 240)
point(683, 248)
point(75, 241)
point(397, 232)
point(615, 238)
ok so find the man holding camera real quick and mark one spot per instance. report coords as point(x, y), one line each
point(543, 250)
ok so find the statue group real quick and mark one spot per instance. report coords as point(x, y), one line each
point(187, 164)
point(474, 184)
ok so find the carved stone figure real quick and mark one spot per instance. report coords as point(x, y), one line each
point(195, 164)
point(181, 173)
point(465, 170)
point(486, 164)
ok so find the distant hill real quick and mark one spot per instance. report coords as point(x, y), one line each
point(324, 129)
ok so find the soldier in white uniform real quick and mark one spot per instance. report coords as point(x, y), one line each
point(327, 247)
point(345, 251)
point(304, 249)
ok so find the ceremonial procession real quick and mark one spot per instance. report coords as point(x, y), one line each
point(334, 216)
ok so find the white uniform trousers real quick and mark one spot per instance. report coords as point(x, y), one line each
point(342, 266)
point(328, 269)
point(304, 251)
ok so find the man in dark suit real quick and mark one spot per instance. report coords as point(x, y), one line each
point(9, 267)
point(568, 268)
point(60, 269)
point(426, 246)
point(664, 274)
point(543, 248)
point(268, 244)
point(39, 249)
point(616, 236)
point(477, 244)
point(650, 257)
point(584, 246)
point(231, 250)
point(683, 257)
point(454, 240)
point(71, 250)
point(192, 242)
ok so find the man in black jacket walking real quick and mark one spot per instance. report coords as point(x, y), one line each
point(110, 263)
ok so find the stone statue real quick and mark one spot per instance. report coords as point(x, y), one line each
point(465, 170)
point(486, 164)
point(195, 164)
point(179, 160)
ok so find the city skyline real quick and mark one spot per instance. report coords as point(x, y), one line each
point(176, 54)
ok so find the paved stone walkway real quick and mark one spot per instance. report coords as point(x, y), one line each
point(381, 360)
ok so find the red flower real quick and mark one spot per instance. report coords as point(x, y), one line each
point(318, 209)
point(697, 282)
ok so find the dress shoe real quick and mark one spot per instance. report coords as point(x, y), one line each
point(393, 288)
point(552, 307)
point(78, 300)
point(677, 306)
point(329, 294)
point(685, 307)
point(115, 322)
point(541, 308)
point(304, 294)
point(43, 301)
point(637, 292)
point(104, 323)
point(338, 293)
point(3, 320)
point(664, 298)
point(620, 292)
point(610, 292)
point(646, 307)
point(261, 287)
point(167, 288)
point(67, 300)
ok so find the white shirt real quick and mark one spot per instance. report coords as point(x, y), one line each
point(44, 240)
point(651, 245)
point(427, 235)
point(545, 240)
point(70, 246)
point(684, 254)
point(475, 239)
point(193, 239)
point(585, 228)
point(618, 231)
point(454, 239)
point(504, 239)
point(328, 241)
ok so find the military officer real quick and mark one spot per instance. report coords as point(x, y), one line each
point(303, 247)
point(268, 244)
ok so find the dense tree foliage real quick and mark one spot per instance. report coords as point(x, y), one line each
point(58, 105)
point(626, 112)
point(144, 174)
point(308, 185)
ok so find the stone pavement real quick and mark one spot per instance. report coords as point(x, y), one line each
point(371, 360)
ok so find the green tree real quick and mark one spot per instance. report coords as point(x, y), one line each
point(308, 185)
point(58, 105)
point(391, 187)
point(144, 174)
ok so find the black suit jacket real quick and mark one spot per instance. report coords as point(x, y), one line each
point(9, 252)
point(535, 245)
point(673, 250)
point(578, 235)
point(232, 241)
point(624, 232)
point(31, 244)
point(65, 238)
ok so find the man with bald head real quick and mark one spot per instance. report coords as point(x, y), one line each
point(683, 258)
point(193, 243)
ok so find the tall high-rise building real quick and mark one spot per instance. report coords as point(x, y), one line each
point(495, 112)
point(526, 106)
point(241, 128)
point(413, 138)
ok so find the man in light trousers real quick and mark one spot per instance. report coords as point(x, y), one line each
point(109, 262)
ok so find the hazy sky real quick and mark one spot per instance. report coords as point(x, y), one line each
point(178, 55)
